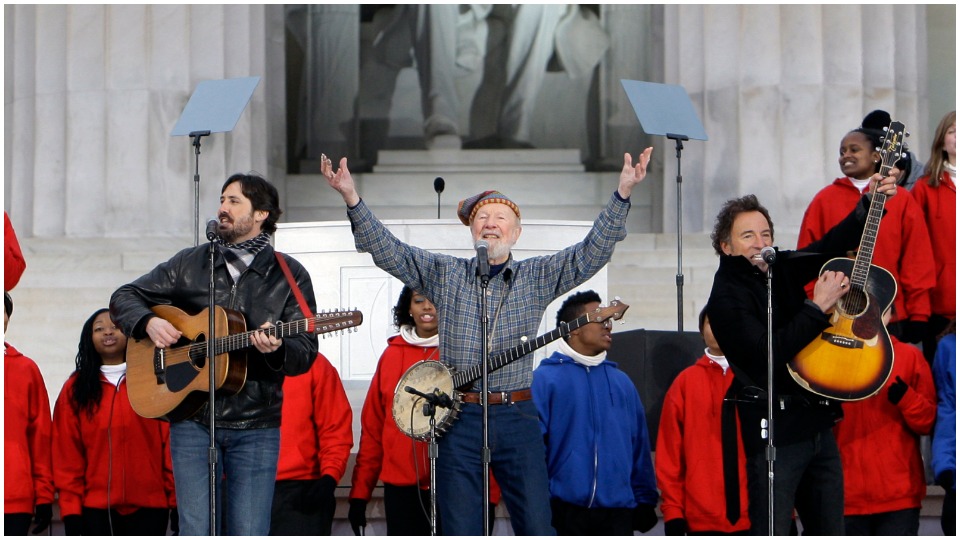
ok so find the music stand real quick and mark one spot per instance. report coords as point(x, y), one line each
point(214, 107)
point(665, 109)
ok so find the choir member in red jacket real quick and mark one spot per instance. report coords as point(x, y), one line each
point(112, 467)
point(879, 439)
point(27, 470)
point(936, 193)
point(696, 496)
point(316, 435)
point(903, 244)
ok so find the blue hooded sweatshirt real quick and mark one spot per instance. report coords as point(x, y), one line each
point(595, 430)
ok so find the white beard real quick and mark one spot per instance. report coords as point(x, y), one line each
point(500, 250)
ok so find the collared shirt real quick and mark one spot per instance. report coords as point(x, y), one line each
point(516, 297)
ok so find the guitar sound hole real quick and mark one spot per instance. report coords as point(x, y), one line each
point(854, 303)
point(198, 351)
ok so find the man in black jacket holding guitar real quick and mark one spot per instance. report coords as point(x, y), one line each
point(249, 280)
point(807, 469)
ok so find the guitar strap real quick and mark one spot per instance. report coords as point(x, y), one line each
point(296, 290)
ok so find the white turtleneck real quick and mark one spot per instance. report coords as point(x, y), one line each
point(114, 372)
point(859, 184)
point(951, 170)
point(719, 360)
point(409, 334)
point(579, 358)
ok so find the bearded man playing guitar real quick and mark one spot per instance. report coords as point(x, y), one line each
point(518, 294)
point(808, 474)
point(248, 279)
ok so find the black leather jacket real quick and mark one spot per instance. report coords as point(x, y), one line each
point(262, 294)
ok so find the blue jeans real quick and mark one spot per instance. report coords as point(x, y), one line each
point(808, 477)
point(246, 467)
point(518, 461)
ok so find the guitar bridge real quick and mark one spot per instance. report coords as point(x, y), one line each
point(158, 366)
point(841, 341)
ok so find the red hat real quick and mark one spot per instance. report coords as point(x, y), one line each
point(469, 206)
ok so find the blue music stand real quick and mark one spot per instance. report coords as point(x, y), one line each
point(214, 107)
point(666, 109)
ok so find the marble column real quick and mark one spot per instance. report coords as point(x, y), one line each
point(777, 87)
point(92, 93)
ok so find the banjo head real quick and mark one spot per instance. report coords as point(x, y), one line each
point(408, 413)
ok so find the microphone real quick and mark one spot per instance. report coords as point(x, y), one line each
point(213, 227)
point(436, 398)
point(483, 261)
point(769, 255)
point(438, 185)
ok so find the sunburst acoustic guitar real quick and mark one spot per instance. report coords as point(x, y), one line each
point(853, 358)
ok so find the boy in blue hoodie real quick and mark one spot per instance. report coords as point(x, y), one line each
point(601, 474)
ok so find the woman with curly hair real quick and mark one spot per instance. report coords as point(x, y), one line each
point(112, 467)
point(385, 452)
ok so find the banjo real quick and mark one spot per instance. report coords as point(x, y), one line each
point(431, 379)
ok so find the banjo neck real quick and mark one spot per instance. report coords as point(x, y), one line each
point(615, 310)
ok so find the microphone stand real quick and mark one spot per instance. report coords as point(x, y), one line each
point(679, 140)
point(484, 402)
point(771, 449)
point(431, 410)
point(211, 364)
point(196, 135)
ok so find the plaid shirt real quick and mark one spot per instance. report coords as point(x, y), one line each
point(516, 297)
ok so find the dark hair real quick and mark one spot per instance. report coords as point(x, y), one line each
point(728, 214)
point(263, 196)
point(938, 155)
point(573, 306)
point(874, 138)
point(87, 390)
point(702, 319)
point(7, 303)
point(401, 311)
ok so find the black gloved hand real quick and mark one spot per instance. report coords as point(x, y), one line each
point(73, 525)
point(897, 390)
point(644, 517)
point(912, 331)
point(675, 527)
point(357, 515)
point(947, 479)
point(42, 516)
point(174, 522)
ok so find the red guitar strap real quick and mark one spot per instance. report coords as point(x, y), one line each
point(296, 290)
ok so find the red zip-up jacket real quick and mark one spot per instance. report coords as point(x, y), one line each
point(116, 445)
point(880, 442)
point(902, 246)
point(27, 469)
point(378, 431)
point(939, 207)
point(316, 427)
point(689, 456)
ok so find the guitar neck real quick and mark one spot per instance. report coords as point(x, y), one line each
point(239, 341)
point(463, 378)
point(890, 152)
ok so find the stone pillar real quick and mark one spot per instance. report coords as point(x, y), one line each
point(92, 95)
point(777, 87)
